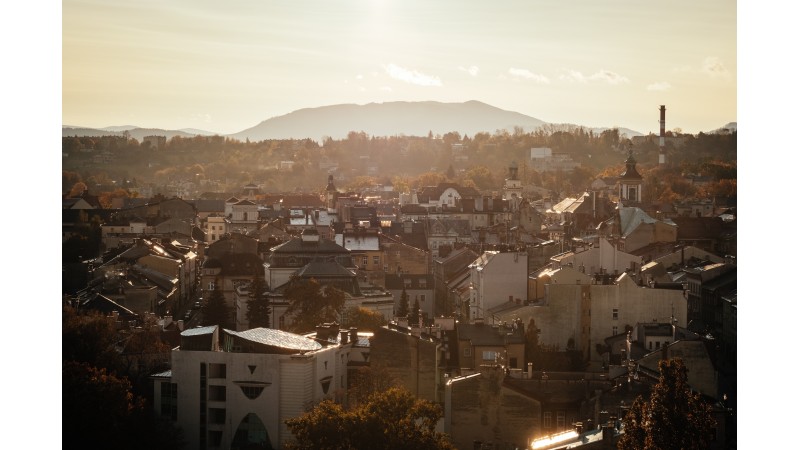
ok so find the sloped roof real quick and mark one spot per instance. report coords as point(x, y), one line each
point(199, 331)
point(631, 217)
point(562, 206)
point(297, 245)
point(277, 338)
point(325, 269)
point(105, 305)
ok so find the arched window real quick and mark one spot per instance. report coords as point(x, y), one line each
point(251, 434)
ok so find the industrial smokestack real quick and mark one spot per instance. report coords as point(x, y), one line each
point(662, 157)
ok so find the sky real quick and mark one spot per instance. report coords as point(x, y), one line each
point(226, 66)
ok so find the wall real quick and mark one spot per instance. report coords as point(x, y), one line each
point(411, 361)
point(504, 275)
point(482, 409)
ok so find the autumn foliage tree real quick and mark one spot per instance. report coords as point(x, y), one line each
point(392, 419)
point(364, 319)
point(672, 418)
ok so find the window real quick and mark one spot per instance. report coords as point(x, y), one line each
point(489, 355)
point(213, 227)
point(422, 298)
point(216, 393)
point(216, 370)
point(376, 260)
point(468, 351)
point(252, 392)
point(548, 419)
point(216, 415)
point(650, 345)
point(364, 260)
point(211, 285)
point(658, 345)
point(169, 400)
point(561, 421)
point(614, 330)
point(215, 438)
point(423, 283)
point(615, 314)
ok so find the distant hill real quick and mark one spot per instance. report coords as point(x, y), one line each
point(136, 133)
point(375, 119)
point(389, 119)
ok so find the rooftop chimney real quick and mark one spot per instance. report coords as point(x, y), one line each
point(662, 158)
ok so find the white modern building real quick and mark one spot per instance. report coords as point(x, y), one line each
point(235, 390)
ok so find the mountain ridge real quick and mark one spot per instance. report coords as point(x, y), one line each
point(410, 118)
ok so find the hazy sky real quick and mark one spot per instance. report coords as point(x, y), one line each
point(226, 66)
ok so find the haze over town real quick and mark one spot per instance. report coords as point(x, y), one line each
point(226, 67)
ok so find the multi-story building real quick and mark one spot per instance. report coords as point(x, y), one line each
point(229, 389)
point(497, 278)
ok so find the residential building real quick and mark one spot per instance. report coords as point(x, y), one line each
point(415, 361)
point(632, 229)
point(417, 287)
point(544, 160)
point(497, 278)
point(229, 389)
point(578, 314)
point(480, 343)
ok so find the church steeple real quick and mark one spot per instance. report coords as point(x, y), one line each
point(630, 181)
point(512, 189)
point(330, 196)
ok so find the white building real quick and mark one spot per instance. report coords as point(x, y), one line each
point(497, 278)
point(231, 389)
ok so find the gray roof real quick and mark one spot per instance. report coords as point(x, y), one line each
point(298, 246)
point(321, 268)
point(199, 331)
point(277, 338)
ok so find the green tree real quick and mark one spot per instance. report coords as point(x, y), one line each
point(413, 318)
point(402, 311)
point(391, 419)
point(311, 304)
point(216, 311)
point(673, 417)
point(258, 310)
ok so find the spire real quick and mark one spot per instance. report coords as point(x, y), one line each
point(330, 187)
point(630, 167)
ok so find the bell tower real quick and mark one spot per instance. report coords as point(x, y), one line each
point(512, 189)
point(630, 182)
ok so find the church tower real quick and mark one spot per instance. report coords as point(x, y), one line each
point(512, 189)
point(330, 196)
point(630, 182)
